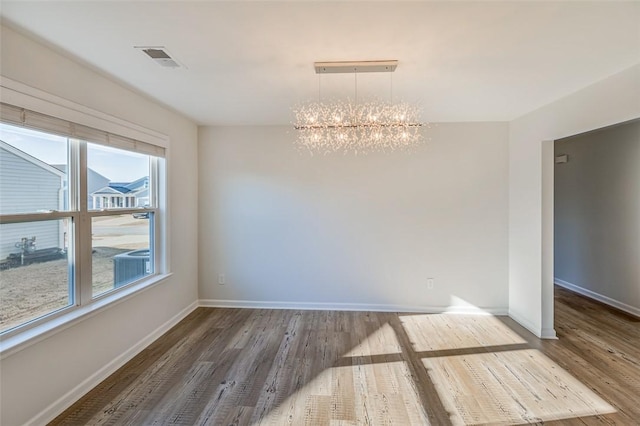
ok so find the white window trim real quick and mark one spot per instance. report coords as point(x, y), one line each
point(21, 95)
point(19, 341)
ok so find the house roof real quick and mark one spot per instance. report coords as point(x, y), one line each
point(138, 188)
point(15, 151)
point(120, 188)
point(63, 167)
point(107, 190)
point(142, 182)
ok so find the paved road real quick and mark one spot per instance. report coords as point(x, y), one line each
point(121, 230)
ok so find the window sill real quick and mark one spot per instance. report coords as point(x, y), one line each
point(22, 340)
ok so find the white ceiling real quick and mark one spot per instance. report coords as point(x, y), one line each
point(249, 62)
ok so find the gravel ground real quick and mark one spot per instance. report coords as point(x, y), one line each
point(30, 291)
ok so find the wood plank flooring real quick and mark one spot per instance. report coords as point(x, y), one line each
point(277, 367)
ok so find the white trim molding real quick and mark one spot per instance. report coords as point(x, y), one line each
point(53, 324)
point(23, 96)
point(536, 331)
point(548, 334)
point(599, 297)
point(253, 304)
point(65, 401)
point(19, 94)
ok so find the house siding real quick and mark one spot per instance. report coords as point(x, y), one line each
point(27, 187)
point(47, 235)
point(95, 181)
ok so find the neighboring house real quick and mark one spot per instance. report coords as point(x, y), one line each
point(95, 181)
point(29, 185)
point(122, 194)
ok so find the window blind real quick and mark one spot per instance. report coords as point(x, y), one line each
point(23, 117)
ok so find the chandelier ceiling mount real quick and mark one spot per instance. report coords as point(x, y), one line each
point(355, 67)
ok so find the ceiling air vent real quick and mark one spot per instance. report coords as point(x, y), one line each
point(160, 55)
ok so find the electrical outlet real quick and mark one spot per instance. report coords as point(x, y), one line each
point(430, 283)
point(221, 279)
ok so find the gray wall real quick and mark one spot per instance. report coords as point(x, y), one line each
point(597, 213)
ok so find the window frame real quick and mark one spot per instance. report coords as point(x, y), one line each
point(83, 303)
point(86, 216)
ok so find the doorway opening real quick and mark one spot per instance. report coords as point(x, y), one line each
point(596, 217)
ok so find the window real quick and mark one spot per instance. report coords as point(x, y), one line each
point(36, 276)
point(79, 216)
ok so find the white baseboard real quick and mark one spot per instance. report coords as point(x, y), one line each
point(540, 333)
point(64, 402)
point(548, 333)
point(599, 297)
point(252, 304)
point(537, 331)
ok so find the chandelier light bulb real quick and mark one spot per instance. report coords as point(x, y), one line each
point(344, 126)
point(359, 128)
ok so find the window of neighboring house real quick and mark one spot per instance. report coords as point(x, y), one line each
point(62, 242)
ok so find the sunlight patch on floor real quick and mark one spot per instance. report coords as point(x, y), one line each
point(437, 332)
point(367, 385)
point(381, 393)
point(510, 387)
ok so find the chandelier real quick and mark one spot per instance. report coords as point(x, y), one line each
point(358, 127)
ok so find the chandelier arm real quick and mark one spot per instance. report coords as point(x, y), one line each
point(356, 126)
point(355, 74)
point(391, 87)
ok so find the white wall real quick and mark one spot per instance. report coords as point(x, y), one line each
point(289, 229)
point(612, 100)
point(597, 214)
point(37, 376)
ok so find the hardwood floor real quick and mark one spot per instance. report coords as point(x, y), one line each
point(240, 367)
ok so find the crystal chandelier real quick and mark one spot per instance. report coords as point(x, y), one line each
point(345, 126)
